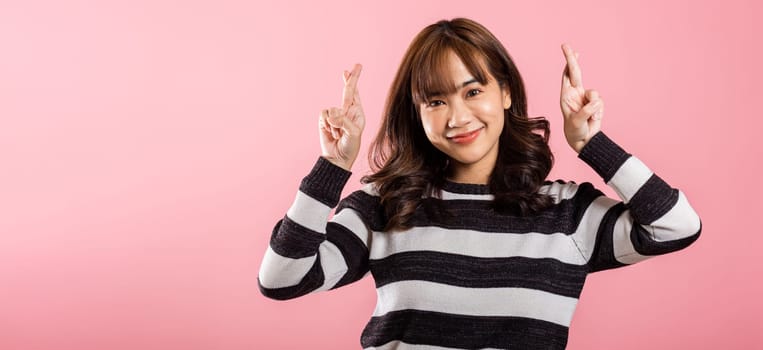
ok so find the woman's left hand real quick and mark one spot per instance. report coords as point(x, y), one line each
point(582, 109)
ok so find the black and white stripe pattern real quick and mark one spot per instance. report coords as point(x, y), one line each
point(476, 279)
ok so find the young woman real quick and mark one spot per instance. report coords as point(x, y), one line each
point(468, 243)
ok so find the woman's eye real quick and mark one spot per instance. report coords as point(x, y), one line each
point(435, 103)
point(473, 92)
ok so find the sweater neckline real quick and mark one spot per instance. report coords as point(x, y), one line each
point(465, 188)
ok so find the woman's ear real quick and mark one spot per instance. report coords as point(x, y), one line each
point(506, 98)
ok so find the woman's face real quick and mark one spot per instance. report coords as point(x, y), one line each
point(467, 124)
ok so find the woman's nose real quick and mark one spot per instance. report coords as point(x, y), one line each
point(460, 115)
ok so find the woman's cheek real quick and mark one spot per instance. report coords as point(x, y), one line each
point(427, 124)
point(433, 125)
point(486, 106)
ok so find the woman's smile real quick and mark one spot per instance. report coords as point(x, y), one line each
point(467, 137)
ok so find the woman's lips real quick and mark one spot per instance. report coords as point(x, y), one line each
point(466, 137)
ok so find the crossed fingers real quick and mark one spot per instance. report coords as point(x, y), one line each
point(572, 76)
point(350, 94)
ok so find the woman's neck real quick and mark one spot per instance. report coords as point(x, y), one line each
point(469, 174)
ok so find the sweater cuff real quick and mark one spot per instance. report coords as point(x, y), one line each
point(603, 155)
point(325, 182)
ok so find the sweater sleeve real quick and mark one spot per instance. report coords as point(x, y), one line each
point(307, 251)
point(651, 219)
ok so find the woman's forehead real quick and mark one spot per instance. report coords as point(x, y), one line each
point(447, 72)
point(459, 73)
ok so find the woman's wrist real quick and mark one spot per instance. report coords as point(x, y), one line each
point(342, 164)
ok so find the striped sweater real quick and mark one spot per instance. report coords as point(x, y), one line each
point(475, 279)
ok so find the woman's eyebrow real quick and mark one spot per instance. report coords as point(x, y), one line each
point(472, 80)
point(464, 84)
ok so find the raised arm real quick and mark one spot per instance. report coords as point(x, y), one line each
point(307, 251)
point(651, 217)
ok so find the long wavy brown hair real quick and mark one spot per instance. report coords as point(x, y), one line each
point(406, 166)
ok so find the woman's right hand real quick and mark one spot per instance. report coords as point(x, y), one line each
point(340, 128)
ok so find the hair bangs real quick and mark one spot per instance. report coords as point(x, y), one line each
point(433, 77)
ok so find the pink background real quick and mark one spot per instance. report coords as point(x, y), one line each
point(147, 149)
